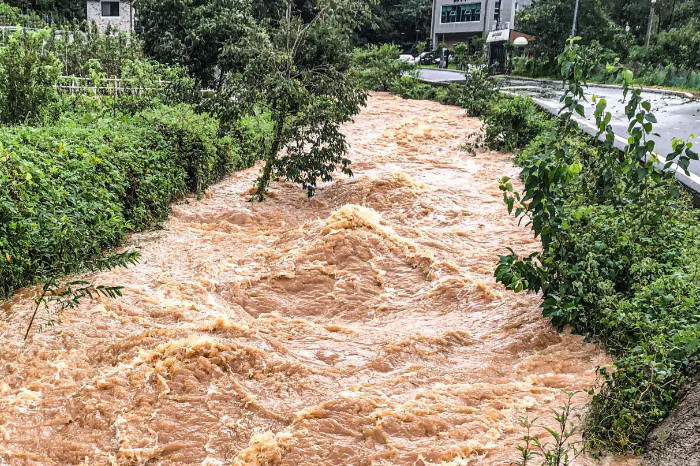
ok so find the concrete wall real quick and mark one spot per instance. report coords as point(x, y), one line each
point(125, 20)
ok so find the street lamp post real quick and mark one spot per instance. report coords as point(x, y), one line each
point(573, 28)
point(651, 25)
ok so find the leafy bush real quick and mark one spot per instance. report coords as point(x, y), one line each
point(379, 67)
point(11, 16)
point(76, 46)
point(72, 190)
point(410, 88)
point(512, 122)
point(476, 93)
point(460, 55)
point(28, 77)
point(678, 47)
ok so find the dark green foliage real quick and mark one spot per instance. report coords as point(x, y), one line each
point(378, 66)
point(411, 88)
point(460, 55)
point(672, 59)
point(679, 47)
point(476, 93)
point(11, 16)
point(197, 34)
point(402, 22)
point(28, 77)
point(81, 46)
point(56, 10)
point(72, 190)
point(620, 258)
point(550, 22)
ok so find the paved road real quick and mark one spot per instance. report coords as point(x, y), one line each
point(678, 115)
point(436, 76)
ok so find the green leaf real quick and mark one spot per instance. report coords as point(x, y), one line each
point(628, 76)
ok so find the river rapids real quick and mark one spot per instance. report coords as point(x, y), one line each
point(359, 327)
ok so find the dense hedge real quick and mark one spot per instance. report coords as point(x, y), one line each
point(72, 190)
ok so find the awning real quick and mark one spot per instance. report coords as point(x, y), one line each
point(498, 36)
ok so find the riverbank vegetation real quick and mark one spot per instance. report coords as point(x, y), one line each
point(620, 255)
point(83, 166)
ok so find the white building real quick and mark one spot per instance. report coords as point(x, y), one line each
point(119, 13)
point(460, 20)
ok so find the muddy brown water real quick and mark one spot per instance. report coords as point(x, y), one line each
point(362, 326)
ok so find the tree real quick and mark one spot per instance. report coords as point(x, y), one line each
point(378, 67)
point(196, 34)
point(460, 55)
point(404, 22)
point(70, 10)
point(302, 75)
point(550, 22)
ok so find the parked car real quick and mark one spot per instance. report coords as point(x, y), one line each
point(428, 58)
point(407, 58)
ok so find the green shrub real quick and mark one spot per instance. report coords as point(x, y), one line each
point(28, 77)
point(476, 93)
point(512, 122)
point(112, 49)
point(378, 66)
point(460, 55)
point(411, 88)
point(11, 16)
point(70, 191)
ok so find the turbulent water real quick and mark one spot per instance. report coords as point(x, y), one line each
point(362, 326)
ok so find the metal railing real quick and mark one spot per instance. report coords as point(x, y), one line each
point(107, 86)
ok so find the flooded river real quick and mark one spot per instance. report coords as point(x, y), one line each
point(359, 327)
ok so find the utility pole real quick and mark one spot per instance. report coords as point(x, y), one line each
point(432, 29)
point(651, 25)
point(573, 28)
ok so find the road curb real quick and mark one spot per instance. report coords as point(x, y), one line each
point(443, 71)
point(686, 95)
point(691, 181)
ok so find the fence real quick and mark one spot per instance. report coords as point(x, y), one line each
point(107, 86)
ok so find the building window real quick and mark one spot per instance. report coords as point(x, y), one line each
point(497, 11)
point(110, 8)
point(461, 13)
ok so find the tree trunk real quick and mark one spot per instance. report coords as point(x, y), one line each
point(264, 178)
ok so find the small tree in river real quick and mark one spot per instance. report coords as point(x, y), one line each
point(301, 73)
